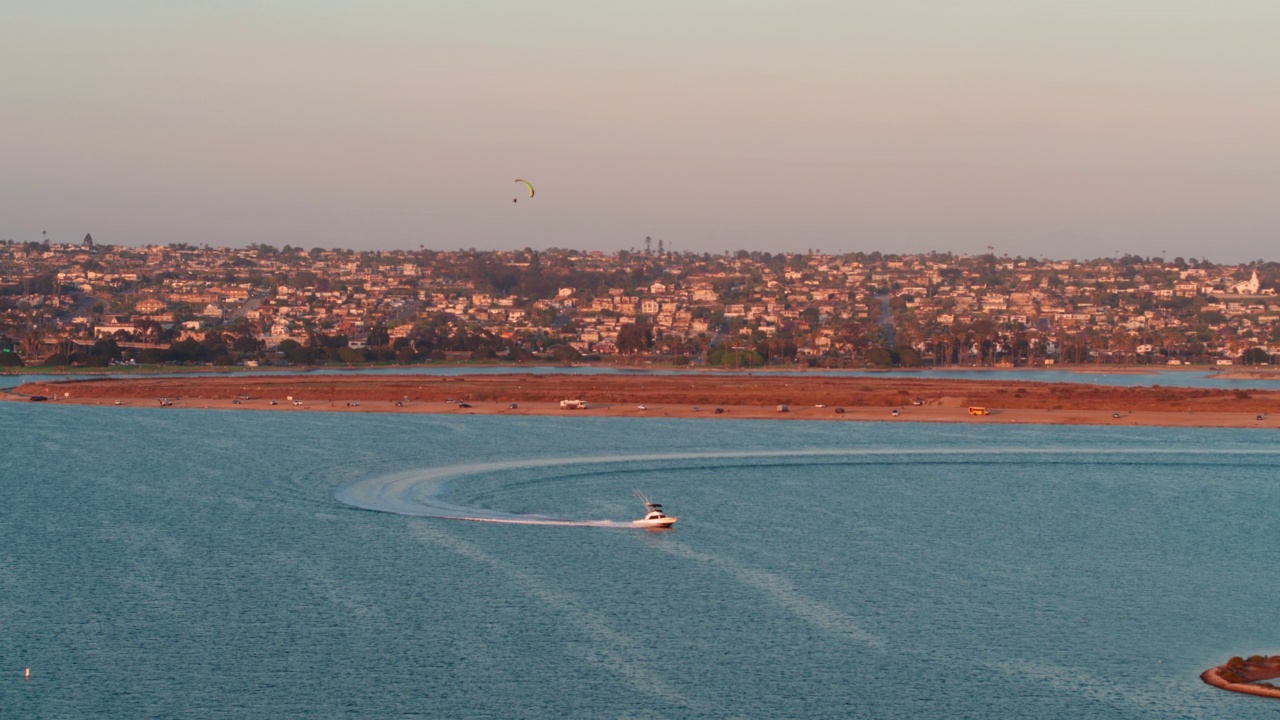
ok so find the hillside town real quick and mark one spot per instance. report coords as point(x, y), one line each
point(87, 304)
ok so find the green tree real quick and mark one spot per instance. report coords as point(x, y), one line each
point(879, 357)
point(296, 353)
point(378, 336)
point(908, 357)
point(566, 353)
point(350, 356)
point(246, 345)
point(635, 338)
point(105, 349)
point(1255, 356)
point(1211, 317)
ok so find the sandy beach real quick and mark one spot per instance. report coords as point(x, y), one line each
point(711, 397)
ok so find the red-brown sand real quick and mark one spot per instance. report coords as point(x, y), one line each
point(694, 395)
point(1239, 675)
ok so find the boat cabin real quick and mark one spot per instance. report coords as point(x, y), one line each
point(654, 511)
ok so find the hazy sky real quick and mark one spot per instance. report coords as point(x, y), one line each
point(1066, 129)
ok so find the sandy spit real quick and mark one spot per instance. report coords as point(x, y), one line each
point(735, 397)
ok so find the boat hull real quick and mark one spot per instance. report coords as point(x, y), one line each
point(655, 522)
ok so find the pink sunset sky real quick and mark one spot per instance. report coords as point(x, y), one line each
point(1060, 129)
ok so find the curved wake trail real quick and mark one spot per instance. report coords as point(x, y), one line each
point(420, 492)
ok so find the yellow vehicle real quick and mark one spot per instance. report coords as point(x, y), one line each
point(978, 411)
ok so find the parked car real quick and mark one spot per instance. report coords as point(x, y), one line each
point(464, 405)
point(38, 398)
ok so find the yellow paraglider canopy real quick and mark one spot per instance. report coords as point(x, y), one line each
point(526, 184)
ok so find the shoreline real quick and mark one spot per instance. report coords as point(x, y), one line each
point(692, 395)
point(1233, 371)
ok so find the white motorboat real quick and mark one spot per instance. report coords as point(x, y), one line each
point(653, 516)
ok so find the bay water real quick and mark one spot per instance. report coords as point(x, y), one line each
point(191, 563)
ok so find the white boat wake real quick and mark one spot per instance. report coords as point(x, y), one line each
point(420, 492)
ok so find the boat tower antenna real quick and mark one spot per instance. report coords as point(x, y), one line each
point(644, 499)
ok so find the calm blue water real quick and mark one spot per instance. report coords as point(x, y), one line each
point(1157, 376)
point(188, 563)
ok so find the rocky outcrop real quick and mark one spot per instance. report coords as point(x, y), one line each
point(1246, 675)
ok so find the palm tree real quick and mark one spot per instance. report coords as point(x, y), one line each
point(31, 343)
point(1124, 343)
